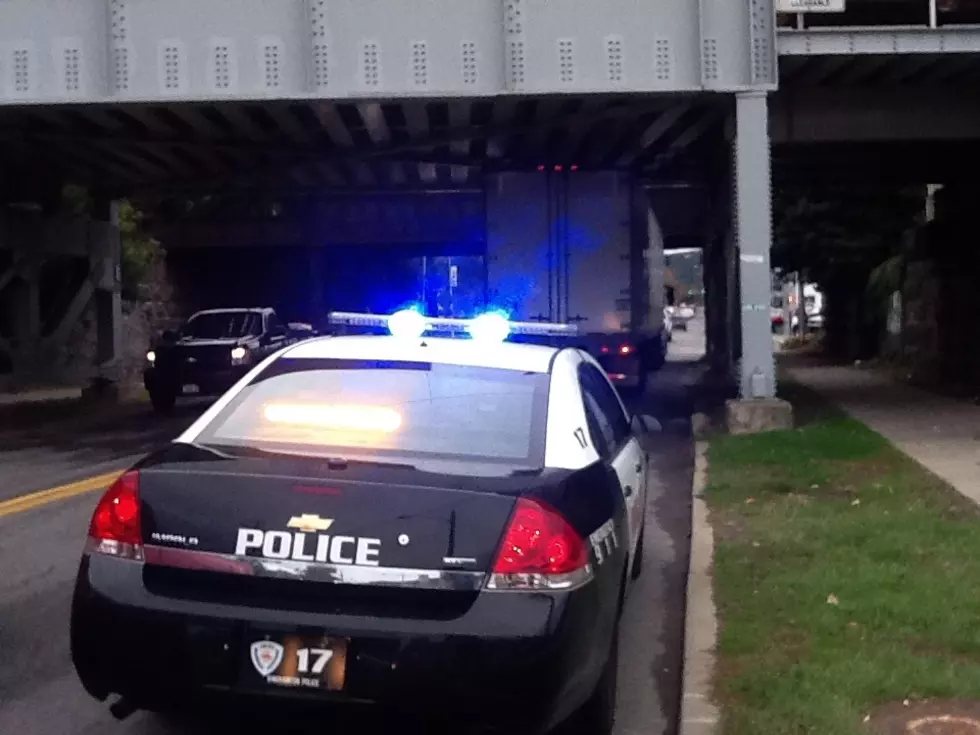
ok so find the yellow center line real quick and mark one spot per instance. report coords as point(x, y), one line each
point(43, 497)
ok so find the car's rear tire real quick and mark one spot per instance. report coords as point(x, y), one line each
point(641, 382)
point(163, 401)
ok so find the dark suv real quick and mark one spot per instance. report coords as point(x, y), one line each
point(212, 351)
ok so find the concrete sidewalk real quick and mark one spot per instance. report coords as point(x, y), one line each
point(45, 395)
point(940, 433)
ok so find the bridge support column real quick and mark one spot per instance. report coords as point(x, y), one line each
point(106, 254)
point(758, 409)
point(753, 226)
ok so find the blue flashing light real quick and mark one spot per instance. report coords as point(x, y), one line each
point(490, 327)
point(406, 324)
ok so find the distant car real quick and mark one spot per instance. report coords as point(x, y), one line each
point(448, 525)
point(814, 322)
point(776, 314)
point(682, 315)
point(212, 351)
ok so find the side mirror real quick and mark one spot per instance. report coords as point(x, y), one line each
point(274, 335)
point(168, 335)
point(646, 424)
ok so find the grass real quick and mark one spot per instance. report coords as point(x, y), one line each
point(846, 576)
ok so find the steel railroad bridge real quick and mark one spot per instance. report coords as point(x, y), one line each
point(708, 102)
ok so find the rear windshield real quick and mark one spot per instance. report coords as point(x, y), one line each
point(223, 325)
point(389, 411)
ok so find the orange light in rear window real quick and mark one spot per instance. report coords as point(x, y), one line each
point(324, 416)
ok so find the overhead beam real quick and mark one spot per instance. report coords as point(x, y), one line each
point(697, 130)
point(657, 130)
point(871, 40)
point(459, 116)
point(333, 124)
point(860, 69)
point(403, 151)
point(905, 69)
point(100, 147)
point(873, 114)
point(417, 120)
point(816, 71)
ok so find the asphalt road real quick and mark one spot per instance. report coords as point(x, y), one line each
point(39, 550)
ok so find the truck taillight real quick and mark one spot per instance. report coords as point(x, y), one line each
point(540, 551)
point(115, 528)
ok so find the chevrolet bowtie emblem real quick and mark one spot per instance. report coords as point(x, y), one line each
point(310, 522)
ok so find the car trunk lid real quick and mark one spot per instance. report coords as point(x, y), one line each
point(354, 519)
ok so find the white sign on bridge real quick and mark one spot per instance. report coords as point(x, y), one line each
point(810, 6)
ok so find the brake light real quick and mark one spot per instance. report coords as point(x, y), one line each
point(115, 528)
point(625, 349)
point(603, 349)
point(540, 550)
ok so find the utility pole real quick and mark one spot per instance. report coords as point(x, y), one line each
point(788, 306)
point(800, 302)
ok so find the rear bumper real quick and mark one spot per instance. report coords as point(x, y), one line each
point(510, 658)
point(625, 380)
point(624, 371)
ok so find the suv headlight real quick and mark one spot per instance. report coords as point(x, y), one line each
point(239, 356)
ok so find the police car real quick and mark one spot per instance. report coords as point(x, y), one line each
point(448, 524)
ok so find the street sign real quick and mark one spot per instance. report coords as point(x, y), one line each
point(810, 6)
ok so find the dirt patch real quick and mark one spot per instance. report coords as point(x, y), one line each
point(928, 717)
point(728, 526)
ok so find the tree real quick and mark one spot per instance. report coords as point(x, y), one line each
point(850, 241)
point(139, 252)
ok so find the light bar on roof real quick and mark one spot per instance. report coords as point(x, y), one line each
point(453, 326)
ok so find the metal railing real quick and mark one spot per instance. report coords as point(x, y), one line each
point(879, 14)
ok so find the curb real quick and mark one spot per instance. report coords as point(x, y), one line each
point(698, 715)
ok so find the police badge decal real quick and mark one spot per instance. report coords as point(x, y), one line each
point(266, 656)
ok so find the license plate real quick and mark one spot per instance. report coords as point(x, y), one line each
point(298, 661)
point(191, 389)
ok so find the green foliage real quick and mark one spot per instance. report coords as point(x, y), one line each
point(76, 201)
point(139, 251)
point(851, 242)
point(885, 279)
point(821, 229)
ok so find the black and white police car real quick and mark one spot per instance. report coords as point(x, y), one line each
point(407, 519)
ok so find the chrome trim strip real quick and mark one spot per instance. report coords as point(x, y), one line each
point(432, 579)
point(541, 582)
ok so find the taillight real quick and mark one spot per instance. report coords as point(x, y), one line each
point(540, 550)
point(625, 349)
point(115, 527)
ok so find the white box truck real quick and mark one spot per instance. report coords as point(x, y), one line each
point(581, 248)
